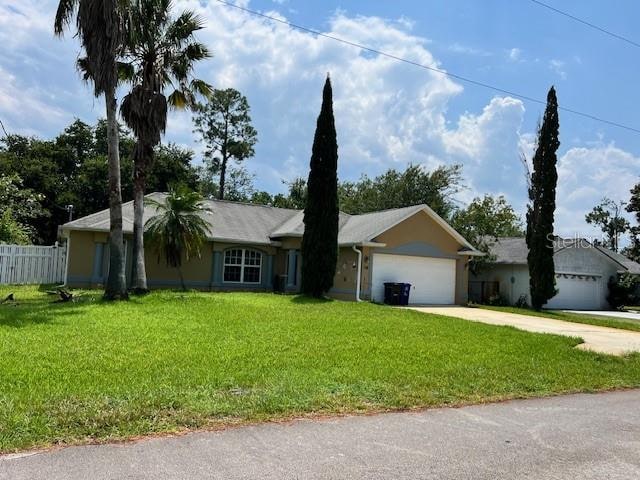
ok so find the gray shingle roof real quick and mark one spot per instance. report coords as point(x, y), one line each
point(629, 265)
point(233, 221)
point(513, 250)
point(250, 223)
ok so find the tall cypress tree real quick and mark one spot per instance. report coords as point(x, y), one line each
point(542, 206)
point(320, 239)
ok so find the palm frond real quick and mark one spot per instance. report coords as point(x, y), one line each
point(64, 14)
point(178, 99)
point(178, 229)
point(201, 87)
point(83, 66)
point(183, 27)
point(126, 72)
point(195, 51)
point(101, 32)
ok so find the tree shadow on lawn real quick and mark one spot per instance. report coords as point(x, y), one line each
point(307, 300)
point(42, 310)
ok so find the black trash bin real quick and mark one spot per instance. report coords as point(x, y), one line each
point(392, 293)
point(396, 293)
point(405, 289)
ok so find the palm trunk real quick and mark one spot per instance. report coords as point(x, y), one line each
point(139, 274)
point(116, 287)
point(184, 288)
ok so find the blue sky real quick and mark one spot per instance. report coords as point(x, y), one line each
point(388, 114)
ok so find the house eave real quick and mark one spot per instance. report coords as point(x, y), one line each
point(471, 253)
point(363, 244)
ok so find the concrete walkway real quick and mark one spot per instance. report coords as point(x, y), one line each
point(598, 339)
point(586, 437)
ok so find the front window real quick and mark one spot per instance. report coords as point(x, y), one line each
point(242, 265)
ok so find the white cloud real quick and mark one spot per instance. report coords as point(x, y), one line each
point(468, 50)
point(514, 54)
point(18, 105)
point(387, 113)
point(558, 66)
point(585, 176)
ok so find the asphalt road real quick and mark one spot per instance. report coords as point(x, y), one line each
point(572, 437)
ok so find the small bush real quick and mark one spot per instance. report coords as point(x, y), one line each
point(522, 302)
point(497, 300)
point(623, 290)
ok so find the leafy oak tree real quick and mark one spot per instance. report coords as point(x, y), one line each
point(483, 221)
point(395, 189)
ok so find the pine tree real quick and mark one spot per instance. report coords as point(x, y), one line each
point(540, 212)
point(320, 240)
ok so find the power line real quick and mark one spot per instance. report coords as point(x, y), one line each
point(427, 67)
point(4, 129)
point(588, 24)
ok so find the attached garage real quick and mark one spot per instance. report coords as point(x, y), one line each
point(433, 280)
point(582, 273)
point(577, 292)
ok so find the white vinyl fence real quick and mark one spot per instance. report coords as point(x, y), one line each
point(20, 264)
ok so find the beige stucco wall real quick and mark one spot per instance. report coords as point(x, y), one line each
point(419, 228)
point(344, 281)
point(194, 270)
point(462, 281)
point(291, 243)
point(82, 250)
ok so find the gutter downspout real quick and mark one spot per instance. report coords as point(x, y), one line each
point(359, 269)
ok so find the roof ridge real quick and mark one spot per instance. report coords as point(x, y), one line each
point(249, 204)
point(92, 215)
point(420, 205)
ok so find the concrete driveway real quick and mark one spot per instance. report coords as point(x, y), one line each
point(585, 437)
point(615, 314)
point(598, 339)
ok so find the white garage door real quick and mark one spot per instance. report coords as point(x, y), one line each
point(577, 292)
point(433, 280)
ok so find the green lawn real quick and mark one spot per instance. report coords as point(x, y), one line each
point(613, 322)
point(92, 371)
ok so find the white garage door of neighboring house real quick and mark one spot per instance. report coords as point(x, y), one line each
point(577, 292)
point(433, 280)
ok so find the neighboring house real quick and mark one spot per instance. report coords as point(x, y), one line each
point(583, 272)
point(256, 247)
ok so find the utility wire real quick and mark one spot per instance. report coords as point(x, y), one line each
point(588, 24)
point(427, 67)
point(4, 130)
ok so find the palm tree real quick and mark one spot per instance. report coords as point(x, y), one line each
point(177, 230)
point(100, 27)
point(160, 54)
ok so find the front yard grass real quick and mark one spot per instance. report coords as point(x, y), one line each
point(169, 361)
point(612, 322)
